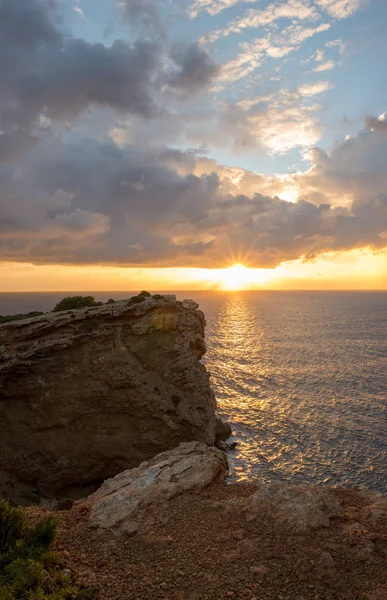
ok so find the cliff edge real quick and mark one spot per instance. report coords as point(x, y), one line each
point(86, 394)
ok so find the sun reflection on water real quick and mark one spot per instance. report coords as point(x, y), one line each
point(292, 375)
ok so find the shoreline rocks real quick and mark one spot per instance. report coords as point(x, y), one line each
point(86, 394)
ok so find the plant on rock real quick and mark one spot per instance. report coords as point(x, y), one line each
point(71, 302)
point(29, 569)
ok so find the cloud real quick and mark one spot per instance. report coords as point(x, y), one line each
point(354, 172)
point(319, 57)
point(47, 76)
point(143, 14)
point(341, 9)
point(296, 10)
point(274, 45)
point(213, 7)
point(377, 124)
point(79, 12)
point(312, 89)
point(326, 66)
point(195, 68)
point(276, 122)
point(279, 124)
point(88, 202)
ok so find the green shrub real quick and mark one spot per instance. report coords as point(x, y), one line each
point(111, 301)
point(136, 300)
point(157, 297)
point(29, 569)
point(18, 317)
point(71, 302)
point(139, 298)
point(87, 594)
point(12, 526)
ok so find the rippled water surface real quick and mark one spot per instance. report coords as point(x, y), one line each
point(301, 376)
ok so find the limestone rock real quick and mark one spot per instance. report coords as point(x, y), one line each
point(291, 508)
point(190, 304)
point(130, 499)
point(88, 393)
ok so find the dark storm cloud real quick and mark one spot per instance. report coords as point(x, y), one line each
point(47, 74)
point(98, 203)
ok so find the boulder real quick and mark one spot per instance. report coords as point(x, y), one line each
point(133, 499)
point(223, 430)
point(290, 508)
point(88, 393)
point(190, 304)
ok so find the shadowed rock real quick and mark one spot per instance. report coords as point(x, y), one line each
point(86, 394)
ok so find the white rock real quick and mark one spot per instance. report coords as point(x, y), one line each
point(190, 304)
point(133, 497)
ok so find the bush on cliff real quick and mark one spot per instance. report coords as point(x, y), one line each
point(71, 302)
point(29, 569)
point(18, 317)
point(139, 298)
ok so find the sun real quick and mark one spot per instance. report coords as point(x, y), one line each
point(236, 277)
point(239, 277)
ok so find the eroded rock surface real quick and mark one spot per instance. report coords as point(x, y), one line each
point(135, 497)
point(89, 393)
point(291, 508)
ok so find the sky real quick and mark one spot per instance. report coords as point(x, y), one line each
point(156, 144)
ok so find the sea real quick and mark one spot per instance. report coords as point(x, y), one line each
point(300, 376)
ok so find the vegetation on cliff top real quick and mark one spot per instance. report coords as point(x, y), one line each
point(71, 302)
point(29, 569)
point(74, 302)
point(9, 318)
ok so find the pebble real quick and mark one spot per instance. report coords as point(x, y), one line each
point(259, 570)
point(66, 572)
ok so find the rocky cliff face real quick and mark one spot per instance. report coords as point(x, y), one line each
point(86, 394)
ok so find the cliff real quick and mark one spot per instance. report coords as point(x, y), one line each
point(89, 393)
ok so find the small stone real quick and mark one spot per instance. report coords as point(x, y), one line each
point(158, 543)
point(260, 570)
point(66, 572)
point(316, 566)
point(229, 535)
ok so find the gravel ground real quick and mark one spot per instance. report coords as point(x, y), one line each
point(200, 552)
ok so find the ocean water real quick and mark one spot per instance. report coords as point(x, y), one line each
point(301, 377)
